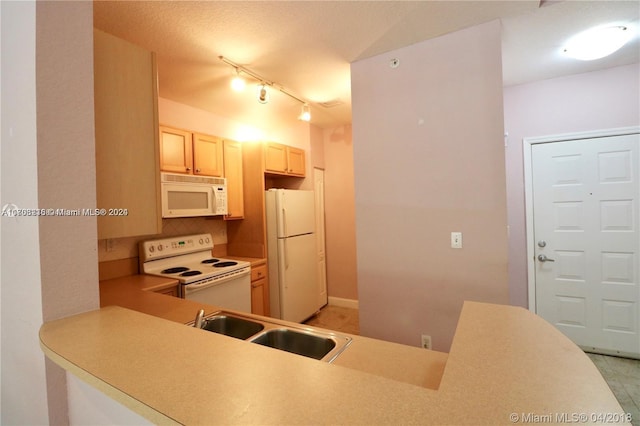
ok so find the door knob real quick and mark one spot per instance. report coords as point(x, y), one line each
point(543, 258)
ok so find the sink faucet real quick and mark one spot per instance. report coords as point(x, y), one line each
point(199, 319)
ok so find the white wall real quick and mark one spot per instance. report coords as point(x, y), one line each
point(429, 160)
point(24, 395)
point(92, 407)
point(592, 101)
point(49, 264)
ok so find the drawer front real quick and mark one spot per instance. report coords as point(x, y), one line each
point(258, 272)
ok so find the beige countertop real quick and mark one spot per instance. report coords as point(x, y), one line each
point(503, 360)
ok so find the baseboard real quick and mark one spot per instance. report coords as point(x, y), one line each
point(343, 303)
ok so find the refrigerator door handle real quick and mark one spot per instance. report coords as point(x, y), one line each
point(284, 222)
point(286, 255)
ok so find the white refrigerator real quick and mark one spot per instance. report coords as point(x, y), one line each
point(291, 254)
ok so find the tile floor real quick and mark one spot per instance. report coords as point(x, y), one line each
point(622, 374)
point(337, 319)
point(623, 377)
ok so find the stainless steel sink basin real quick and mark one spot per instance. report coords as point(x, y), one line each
point(297, 339)
point(239, 328)
point(307, 344)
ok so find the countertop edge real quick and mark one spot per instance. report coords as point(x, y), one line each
point(112, 392)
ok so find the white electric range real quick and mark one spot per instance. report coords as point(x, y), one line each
point(215, 281)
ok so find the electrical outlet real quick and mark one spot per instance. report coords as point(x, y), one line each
point(456, 240)
point(426, 341)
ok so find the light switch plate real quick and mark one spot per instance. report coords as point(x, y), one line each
point(456, 240)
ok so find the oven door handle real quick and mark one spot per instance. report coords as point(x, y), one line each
point(191, 288)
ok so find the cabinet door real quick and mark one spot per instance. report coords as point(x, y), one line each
point(258, 297)
point(295, 159)
point(126, 137)
point(207, 155)
point(275, 158)
point(233, 173)
point(171, 291)
point(175, 150)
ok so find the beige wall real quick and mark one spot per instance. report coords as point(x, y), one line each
point(66, 170)
point(51, 100)
point(340, 214)
point(24, 390)
point(429, 160)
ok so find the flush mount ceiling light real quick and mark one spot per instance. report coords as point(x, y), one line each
point(598, 42)
point(263, 93)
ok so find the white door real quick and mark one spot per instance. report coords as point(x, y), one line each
point(587, 242)
point(318, 180)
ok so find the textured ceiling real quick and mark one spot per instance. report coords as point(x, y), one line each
point(307, 46)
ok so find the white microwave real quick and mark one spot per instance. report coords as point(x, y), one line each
point(189, 195)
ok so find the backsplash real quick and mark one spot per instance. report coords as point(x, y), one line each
point(123, 248)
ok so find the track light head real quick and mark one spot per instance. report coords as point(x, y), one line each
point(305, 114)
point(263, 95)
point(238, 84)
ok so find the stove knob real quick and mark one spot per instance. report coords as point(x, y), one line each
point(206, 240)
point(159, 247)
point(200, 241)
point(152, 249)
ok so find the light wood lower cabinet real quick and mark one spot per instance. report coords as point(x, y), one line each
point(259, 290)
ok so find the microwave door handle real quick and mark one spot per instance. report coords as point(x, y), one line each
point(214, 201)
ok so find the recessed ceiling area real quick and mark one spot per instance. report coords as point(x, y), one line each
point(307, 46)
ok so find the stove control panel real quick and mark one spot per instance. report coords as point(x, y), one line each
point(174, 246)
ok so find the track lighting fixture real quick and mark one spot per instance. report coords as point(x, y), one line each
point(263, 93)
point(238, 84)
point(305, 115)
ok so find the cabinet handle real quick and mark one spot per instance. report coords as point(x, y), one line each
point(197, 170)
point(188, 168)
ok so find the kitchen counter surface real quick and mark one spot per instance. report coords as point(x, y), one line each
point(503, 360)
point(136, 292)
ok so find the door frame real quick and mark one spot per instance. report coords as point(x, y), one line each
point(527, 146)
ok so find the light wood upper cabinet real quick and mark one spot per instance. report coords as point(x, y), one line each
point(127, 146)
point(232, 152)
point(207, 155)
point(275, 158)
point(284, 160)
point(295, 157)
point(182, 151)
point(176, 150)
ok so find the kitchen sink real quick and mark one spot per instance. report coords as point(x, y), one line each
point(301, 343)
point(297, 339)
point(239, 328)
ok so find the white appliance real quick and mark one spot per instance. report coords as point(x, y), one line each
point(188, 195)
point(291, 254)
point(220, 282)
